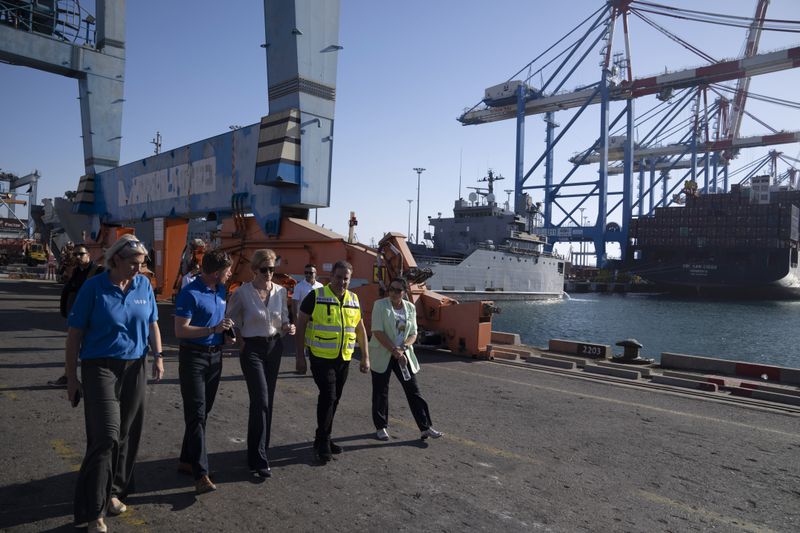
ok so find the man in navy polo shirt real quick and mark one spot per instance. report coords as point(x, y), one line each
point(199, 324)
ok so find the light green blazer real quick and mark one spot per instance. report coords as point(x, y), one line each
point(383, 320)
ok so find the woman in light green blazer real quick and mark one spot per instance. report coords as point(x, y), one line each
point(394, 330)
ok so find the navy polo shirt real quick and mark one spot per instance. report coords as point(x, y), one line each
point(115, 324)
point(204, 307)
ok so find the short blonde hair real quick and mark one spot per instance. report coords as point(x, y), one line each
point(259, 256)
point(125, 247)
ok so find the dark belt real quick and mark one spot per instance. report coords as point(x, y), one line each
point(203, 348)
point(262, 339)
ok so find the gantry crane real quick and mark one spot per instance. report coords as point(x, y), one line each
point(616, 84)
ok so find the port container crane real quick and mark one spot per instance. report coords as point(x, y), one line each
point(617, 83)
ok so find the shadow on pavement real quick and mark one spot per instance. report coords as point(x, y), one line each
point(31, 365)
point(27, 320)
point(52, 497)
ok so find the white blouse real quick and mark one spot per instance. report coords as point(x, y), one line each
point(252, 317)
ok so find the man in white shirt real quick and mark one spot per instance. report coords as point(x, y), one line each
point(304, 287)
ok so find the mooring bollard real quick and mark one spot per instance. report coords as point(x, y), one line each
point(631, 353)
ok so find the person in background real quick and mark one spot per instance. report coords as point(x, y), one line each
point(259, 308)
point(394, 331)
point(192, 256)
point(194, 271)
point(301, 290)
point(199, 324)
point(84, 269)
point(329, 323)
point(304, 286)
point(51, 266)
point(110, 324)
point(66, 262)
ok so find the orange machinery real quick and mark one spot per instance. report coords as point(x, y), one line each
point(464, 328)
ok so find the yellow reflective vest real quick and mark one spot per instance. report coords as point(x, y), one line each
point(331, 329)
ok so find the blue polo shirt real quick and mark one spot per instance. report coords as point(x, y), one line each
point(204, 307)
point(115, 324)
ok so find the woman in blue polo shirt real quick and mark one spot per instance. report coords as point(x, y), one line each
point(110, 324)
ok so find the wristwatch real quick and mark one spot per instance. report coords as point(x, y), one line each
point(158, 355)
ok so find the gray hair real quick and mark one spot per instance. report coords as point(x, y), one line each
point(125, 247)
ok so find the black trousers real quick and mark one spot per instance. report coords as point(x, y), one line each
point(330, 376)
point(380, 398)
point(113, 407)
point(199, 373)
point(261, 361)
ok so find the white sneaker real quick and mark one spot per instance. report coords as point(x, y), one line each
point(432, 433)
point(382, 434)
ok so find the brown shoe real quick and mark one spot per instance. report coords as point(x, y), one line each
point(185, 468)
point(203, 485)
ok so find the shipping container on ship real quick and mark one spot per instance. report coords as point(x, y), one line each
point(738, 244)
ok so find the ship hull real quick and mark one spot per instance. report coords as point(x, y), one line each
point(496, 275)
point(751, 273)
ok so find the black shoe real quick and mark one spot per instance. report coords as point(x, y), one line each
point(322, 450)
point(262, 472)
point(60, 382)
point(335, 448)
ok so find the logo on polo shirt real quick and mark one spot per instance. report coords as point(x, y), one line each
point(139, 301)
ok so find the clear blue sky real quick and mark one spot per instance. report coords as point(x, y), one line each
point(407, 70)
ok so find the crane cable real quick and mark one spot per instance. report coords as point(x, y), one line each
point(534, 60)
point(779, 25)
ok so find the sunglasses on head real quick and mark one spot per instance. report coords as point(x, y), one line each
point(266, 269)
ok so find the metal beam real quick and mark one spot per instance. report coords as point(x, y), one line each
point(783, 137)
point(718, 72)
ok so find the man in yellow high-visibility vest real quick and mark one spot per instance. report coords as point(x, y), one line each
point(329, 324)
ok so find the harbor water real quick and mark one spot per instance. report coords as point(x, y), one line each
point(765, 332)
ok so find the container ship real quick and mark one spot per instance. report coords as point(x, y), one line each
point(486, 251)
point(741, 244)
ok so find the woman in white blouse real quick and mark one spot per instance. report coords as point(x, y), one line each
point(260, 310)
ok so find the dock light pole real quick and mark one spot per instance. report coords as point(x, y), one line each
point(408, 234)
point(582, 249)
point(419, 171)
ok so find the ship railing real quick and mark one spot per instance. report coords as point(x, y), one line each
point(440, 260)
point(518, 250)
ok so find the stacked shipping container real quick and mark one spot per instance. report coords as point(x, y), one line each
point(727, 221)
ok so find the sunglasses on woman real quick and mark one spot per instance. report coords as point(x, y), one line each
point(264, 270)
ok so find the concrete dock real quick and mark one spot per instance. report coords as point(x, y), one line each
point(525, 449)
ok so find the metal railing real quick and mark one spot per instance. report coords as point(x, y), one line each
point(65, 20)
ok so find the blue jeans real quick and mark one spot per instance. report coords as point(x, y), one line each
point(199, 373)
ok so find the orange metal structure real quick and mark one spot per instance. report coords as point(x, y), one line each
point(464, 328)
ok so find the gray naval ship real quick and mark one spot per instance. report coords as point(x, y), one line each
point(486, 252)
